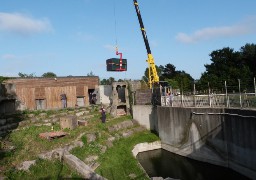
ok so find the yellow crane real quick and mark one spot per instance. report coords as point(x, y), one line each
point(153, 76)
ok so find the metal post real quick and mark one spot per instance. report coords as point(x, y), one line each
point(254, 86)
point(240, 96)
point(209, 92)
point(226, 92)
point(194, 94)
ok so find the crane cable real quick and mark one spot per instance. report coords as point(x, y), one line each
point(115, 23)
point(118, 53)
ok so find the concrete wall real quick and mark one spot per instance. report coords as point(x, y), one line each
point(223, 137)
point(104, 93)
point(146, 115)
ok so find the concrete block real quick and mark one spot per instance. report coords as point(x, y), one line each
point(81, 167)
point(69, 122)
point(122, 125)
point(26, 165)
point(82, 123)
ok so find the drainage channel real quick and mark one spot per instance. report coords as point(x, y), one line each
point(161, 163)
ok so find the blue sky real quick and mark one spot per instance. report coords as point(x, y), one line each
point(76, 37)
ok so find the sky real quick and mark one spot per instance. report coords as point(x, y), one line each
point(77, 37)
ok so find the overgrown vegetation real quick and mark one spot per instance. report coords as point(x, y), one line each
point(116, 162)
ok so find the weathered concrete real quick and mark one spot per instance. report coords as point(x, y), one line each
point(119, 126)
point(146, 116)
point(142, 147)
point(69, 122)
point(223, 137)
point(81, 167)
point(26, 165)
point(103, 94)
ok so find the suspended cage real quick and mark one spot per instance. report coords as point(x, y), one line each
point(116, 64)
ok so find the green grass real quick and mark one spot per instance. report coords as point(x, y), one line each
point(44, 169)
point(116, 163)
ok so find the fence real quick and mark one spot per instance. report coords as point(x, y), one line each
point(243, 100)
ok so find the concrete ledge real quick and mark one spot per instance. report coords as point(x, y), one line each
point(142, 147)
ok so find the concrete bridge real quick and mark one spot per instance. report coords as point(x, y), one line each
point(220, 136)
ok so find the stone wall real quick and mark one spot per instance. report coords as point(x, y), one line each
point(8, 123)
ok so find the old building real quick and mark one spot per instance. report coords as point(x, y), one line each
point(44, 93)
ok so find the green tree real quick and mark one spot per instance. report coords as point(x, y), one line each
point(248, 54)
point(108, 81)
point(145, 78)
point(90, 74)
point(24, 75)
point(227, 65)
point(49, 75)
point(184, 80)
point(2, 78)
point(168, 71)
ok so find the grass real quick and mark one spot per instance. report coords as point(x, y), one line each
point(57, 170)
point(116, 163)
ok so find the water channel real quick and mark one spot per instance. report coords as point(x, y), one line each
point(161, 163)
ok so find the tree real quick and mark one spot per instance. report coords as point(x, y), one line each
point(90, 74)
point(168, 71)
point(49, 75)
point(184, 80)
point(2, 78)
point(108, 81)
point(227, 65)
point(248, 53)
point(23, 75)
point(145, 78)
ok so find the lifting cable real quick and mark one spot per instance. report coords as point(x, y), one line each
point(117, 53)
point(115, 23)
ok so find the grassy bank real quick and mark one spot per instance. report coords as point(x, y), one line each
point(115, 162)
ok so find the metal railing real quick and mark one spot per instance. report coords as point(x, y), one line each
point(243, 100)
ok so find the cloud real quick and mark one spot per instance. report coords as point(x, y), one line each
point(110, 47)
point(82, 36)
point(9, 56)
point(243, 28)
point(23, 25)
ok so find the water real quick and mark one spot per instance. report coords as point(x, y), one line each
point(161, 163)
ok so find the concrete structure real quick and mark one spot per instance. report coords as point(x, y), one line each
point(146, 115)
point(219, 136)
point(7, 102)
point(120, 99)
point(103, 94)
point(68, 122)
point(44, 93)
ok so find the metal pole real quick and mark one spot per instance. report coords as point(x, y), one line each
point(240, 98)
point(226, 92)
point(254, 86)
point(194, 94)
point(209, 91)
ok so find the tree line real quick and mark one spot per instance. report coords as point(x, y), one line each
point(226, 65)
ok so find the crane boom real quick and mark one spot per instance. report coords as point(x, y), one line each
point(153, 76)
